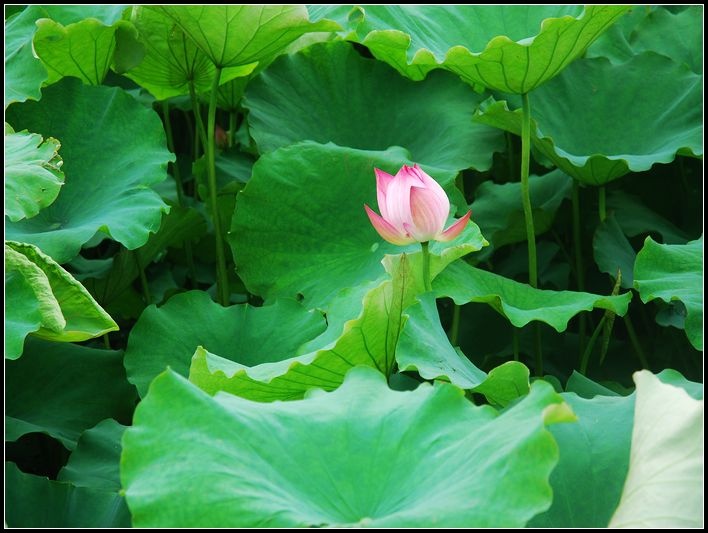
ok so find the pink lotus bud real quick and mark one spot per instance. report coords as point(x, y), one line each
point(414, 208)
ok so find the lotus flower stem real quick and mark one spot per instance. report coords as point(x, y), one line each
point(601, 207)
point(222, 281)
point(426, 266)
point(525, 194)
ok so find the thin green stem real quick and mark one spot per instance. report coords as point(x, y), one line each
point(579, 264)
point(197, 110)
point(602, 203)
point(515, 342)
point(426, 267)
point(455, 327)
point(525, 194)
point(222, 280)
point(106, 341)
point(635, 342)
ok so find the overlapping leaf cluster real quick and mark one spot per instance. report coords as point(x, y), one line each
point(332, 390)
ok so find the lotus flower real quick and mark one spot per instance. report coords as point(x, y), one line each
point(414, 208)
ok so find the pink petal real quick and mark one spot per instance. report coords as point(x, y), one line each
point(455, 230)
point(386, 230)
point(427, 214)
point(398, 200)
point(434, 186)
point(383, 180)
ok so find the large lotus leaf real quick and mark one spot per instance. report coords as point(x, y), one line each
point(24, 72)
point(498, 211)
point(54, 388)
point(95, 463)
point(354, 457)
point(674, 272)
point(33, 173)
point(519, 302)
point(364, 327)
point(507, 48)
point(676, 379)
point(597, 121)
point(23, 313)
point(363, 334)
point(232, 35)
point(424, 347)
point(81, 317)
point(664, 486)
point(675, 35)
point(594, 458)
point(168, 335)
point(613, 252)
point(333, 94)
point(83, 49)
point(111, 159)
point(286, 240)
point(172, 60)
point(37, 502)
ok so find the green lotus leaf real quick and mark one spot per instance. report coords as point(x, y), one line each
point(84, 49)
point(424, 347)
point(33, 173)
point(511, 49)
point(284, 237)
point(172, 60)
point(519, 302)
point(674, 35)
point(23, 312)
point(24, 72)
point(110, 161)
point(594, 458)
point(379, 109)
point(364, 324)
point(38, 502)
point(233, 35)
point(68, 313)
point(53, 389)
point(616, 127)
point(586, 388)
point(674, 272)
point(676, 379)
point(613, 252)
point(498, 212)
point(354, 457)
point(95, 463)
point(167, 336)
point(664, 486)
